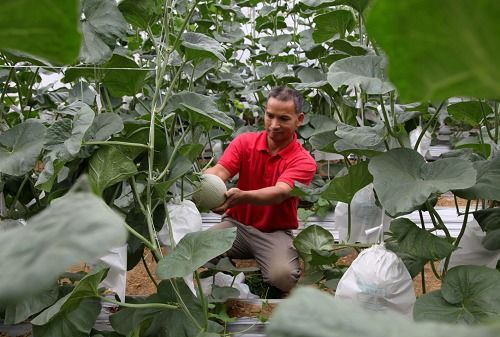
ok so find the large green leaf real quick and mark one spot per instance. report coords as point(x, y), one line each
point(311, 240)
point(20, 147)
point(364, 138)
point(64, 138)
point(108, 166)
point(151, 322)
point(344, 188)
point(418, 242)
point(199, 47)
point(435, 61)
point(199, 109)
point(489, 220)
point(194, 250)
point(138, 12)
point(275, 44)
point(102, 25)
point(404, 181)
point(45, 28)
point(311, 78)
point(318, 124)
point(104, 126)
point(19, 312)
point(123, 77)
point(469, 294)
point(334, 22)
point(487, 186)
point(472, 112)
point(77, 227)
point(364, 72)
point(310, 312)
point(231, 32)
point(73, 314)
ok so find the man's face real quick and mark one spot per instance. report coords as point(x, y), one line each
point(281, 120)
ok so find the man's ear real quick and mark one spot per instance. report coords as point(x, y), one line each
point(301, 118)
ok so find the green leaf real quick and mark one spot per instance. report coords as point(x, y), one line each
point(20, 147)
point(310, 312)
point(163, 322)
point(358, 5)
point(318, 125)
point(73, 314)
point(104, 126)
point(469, 294)
point(334, 22)
point(313, 238)
point(404, 181)
point(21, 311)
point(486, 187)
point(364, 72)
point(222, 294)
point(199, 47)
point(231, 32)
point(180, 167)
point(86, 288)
point(138, 12)
point(45, 28)
point(471, 112)
point(64, 138)
point(108, 166)
point(418, 242)
point(489, 220)
point(275, 44)
point(348, 48)
point(311, 78)
point(367, 140)
point(199, 109)
point(48, 176)
point(60, 236)
point(194, 250)
point(459, 59)
point(345, 187)
point(123, 82)
point(102, 26)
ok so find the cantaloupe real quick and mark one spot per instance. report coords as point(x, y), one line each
point(209, 193)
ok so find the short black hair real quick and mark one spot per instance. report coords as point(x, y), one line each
point(284, 94)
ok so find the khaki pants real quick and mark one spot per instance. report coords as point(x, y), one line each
point(274, 252)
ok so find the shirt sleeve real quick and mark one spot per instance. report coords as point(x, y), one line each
point(231, 158)
point(301, 169)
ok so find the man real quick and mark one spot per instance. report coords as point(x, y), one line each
point(269, 163)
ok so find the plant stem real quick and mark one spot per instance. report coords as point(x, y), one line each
point(4, 91)
point(348, 221)
point(19, 93)
point(485, 119)
point(183, 306)
point(166, 170)
point(169, 226)
point(18, 194)
point(112, 142)
point(139, 306)
point(387, 123)
point(422, 224)
point(202, 298)
point(497, 122)
point(427, 126)
point(149, 271)
point(139, 236)
point(460, 235)
point(437, 221)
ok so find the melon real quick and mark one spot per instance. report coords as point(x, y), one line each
point(210, 192)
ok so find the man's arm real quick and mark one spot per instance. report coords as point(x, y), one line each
point(220, 171)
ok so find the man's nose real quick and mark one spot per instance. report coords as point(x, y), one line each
point(275, 124)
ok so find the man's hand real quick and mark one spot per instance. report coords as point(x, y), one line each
point(234, 196)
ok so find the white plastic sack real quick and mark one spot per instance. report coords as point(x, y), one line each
point(225, 280)
point(116, 280)
point(184, 218)
point(470, 250)
point(425, 142)
point(365, 217)
point(378, 280)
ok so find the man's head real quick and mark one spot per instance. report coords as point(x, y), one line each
point(284, 94)
point(283, 115)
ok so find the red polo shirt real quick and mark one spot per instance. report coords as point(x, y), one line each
point(248, 155)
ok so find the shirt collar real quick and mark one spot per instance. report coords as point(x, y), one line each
point(262, 144)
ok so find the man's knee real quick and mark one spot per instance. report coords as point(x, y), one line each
point(283, 276)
